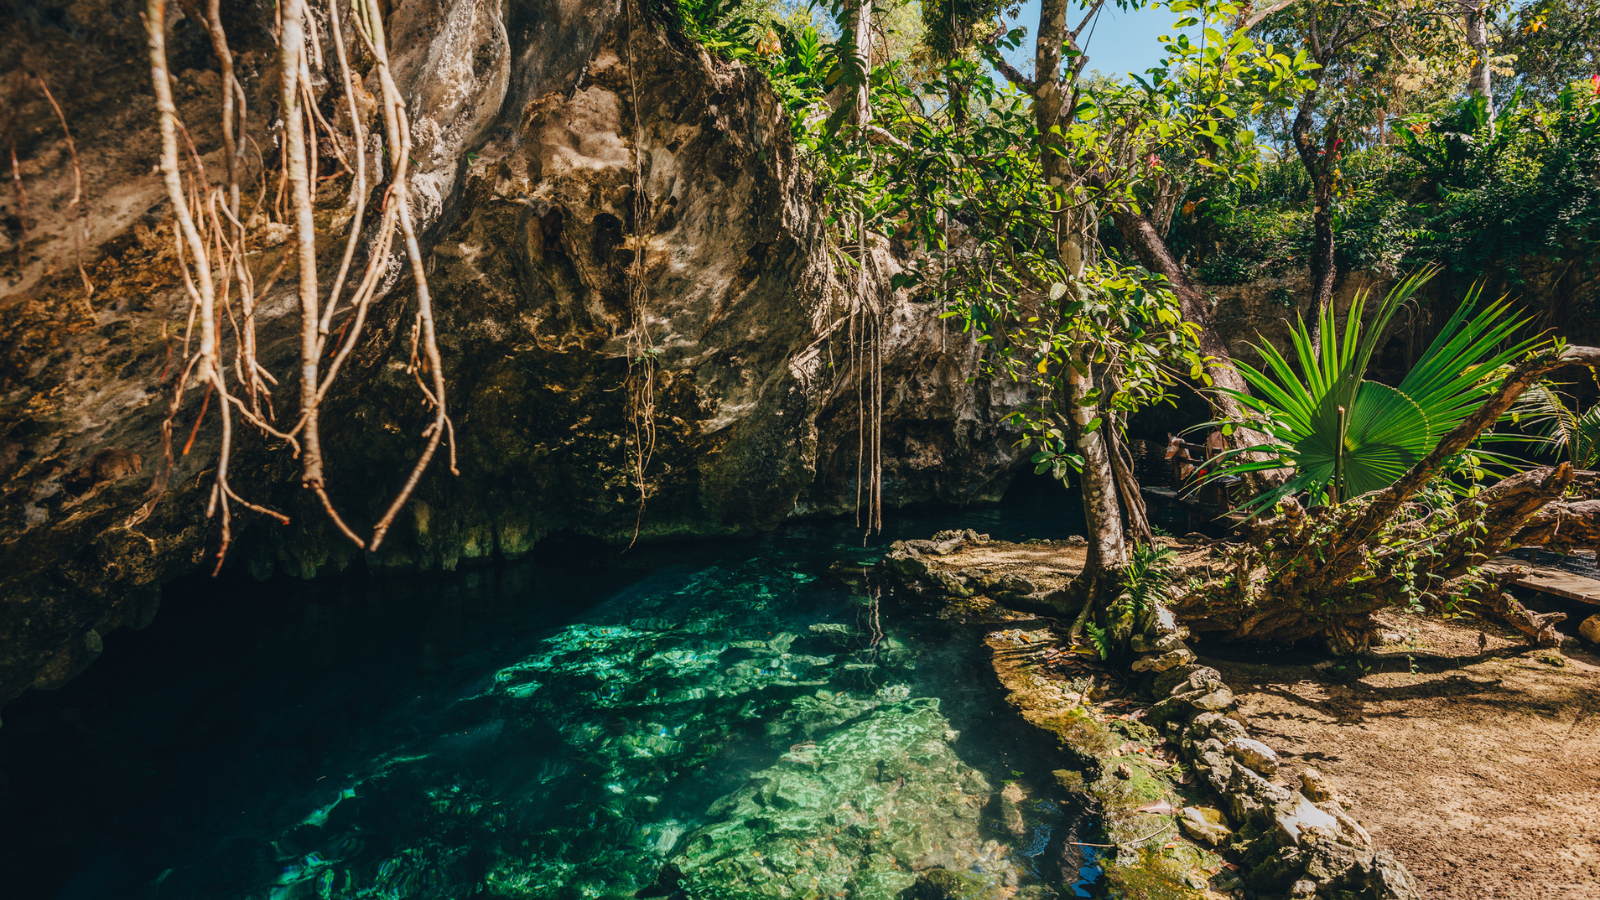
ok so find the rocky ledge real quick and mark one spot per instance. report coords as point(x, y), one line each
point(1192, 805)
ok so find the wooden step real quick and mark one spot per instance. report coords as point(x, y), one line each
point(1547, 579)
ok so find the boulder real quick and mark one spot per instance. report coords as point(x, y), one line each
point(1348, 826)
point(1216, 725)
point(1171, 659)
point(1205, 824)
point(1294, 819)
point(1316, 785)
point(1589, 630)
point(1254, 754)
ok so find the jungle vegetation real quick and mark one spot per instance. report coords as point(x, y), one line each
point(1066, 218)
point(1069, 220)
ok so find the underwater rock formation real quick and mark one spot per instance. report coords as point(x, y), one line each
point(867, 812)
point(532, 123)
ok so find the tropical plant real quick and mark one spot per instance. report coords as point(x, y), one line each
point(1574, 435)
point(1344, 435)
point(1147, 580)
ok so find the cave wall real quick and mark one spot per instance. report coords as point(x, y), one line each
point(529, 119)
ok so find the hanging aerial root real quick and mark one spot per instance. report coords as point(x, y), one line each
point(199, 283)
point(642, 369)
point(80, 224)
point(399, 132)
point(213, 254)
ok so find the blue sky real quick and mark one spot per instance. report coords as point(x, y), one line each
point(1122, 40)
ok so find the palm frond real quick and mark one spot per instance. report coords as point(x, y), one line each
point(1324, 417)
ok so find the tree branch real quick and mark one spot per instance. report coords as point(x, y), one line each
point(1389, 500)
point(1255, 20)
point(1022, 82)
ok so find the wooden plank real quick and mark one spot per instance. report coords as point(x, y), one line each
point(1550, 581)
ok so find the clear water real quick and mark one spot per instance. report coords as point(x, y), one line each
point(745, 716)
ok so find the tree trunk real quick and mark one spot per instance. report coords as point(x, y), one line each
point(1128, 488)
point(1320, 164)
point(1151, 249)
point(1108, 550)
point(1102, 513)
point(1540, 630)
point(1480, 81)
point(859, 25)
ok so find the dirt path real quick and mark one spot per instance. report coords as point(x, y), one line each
point(1479, 769)
point(1473, 758)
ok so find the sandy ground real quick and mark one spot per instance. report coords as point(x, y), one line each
point(1479, 769)
point(1471, 756)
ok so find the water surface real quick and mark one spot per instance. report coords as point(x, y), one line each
point(751, 718)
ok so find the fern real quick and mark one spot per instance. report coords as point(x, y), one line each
point(1573, 435)
point(1147, 579)
point(1100, 638)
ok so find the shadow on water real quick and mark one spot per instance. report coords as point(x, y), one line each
point(557, 727)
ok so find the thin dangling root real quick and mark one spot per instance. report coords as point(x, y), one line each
point(642, 364)
point(213, 254)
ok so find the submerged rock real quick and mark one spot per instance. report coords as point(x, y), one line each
point(875, 809)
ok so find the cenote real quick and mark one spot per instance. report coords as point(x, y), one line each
point(740, 718)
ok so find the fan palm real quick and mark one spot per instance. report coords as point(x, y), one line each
point(1343, 435)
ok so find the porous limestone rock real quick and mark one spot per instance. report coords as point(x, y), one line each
point(1298, 816)
point(1205, 824)
point(1316, 785)
point(1171, 659)
point(543, 131)
point(1254, 754)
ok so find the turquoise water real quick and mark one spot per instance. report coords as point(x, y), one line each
point(720, 719)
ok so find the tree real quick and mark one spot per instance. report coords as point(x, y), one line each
point(1098, 148)
point(1363, 53)
point(1323, 572)
point(1553, 43)
point(1343, 435)
point(1007, 205)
